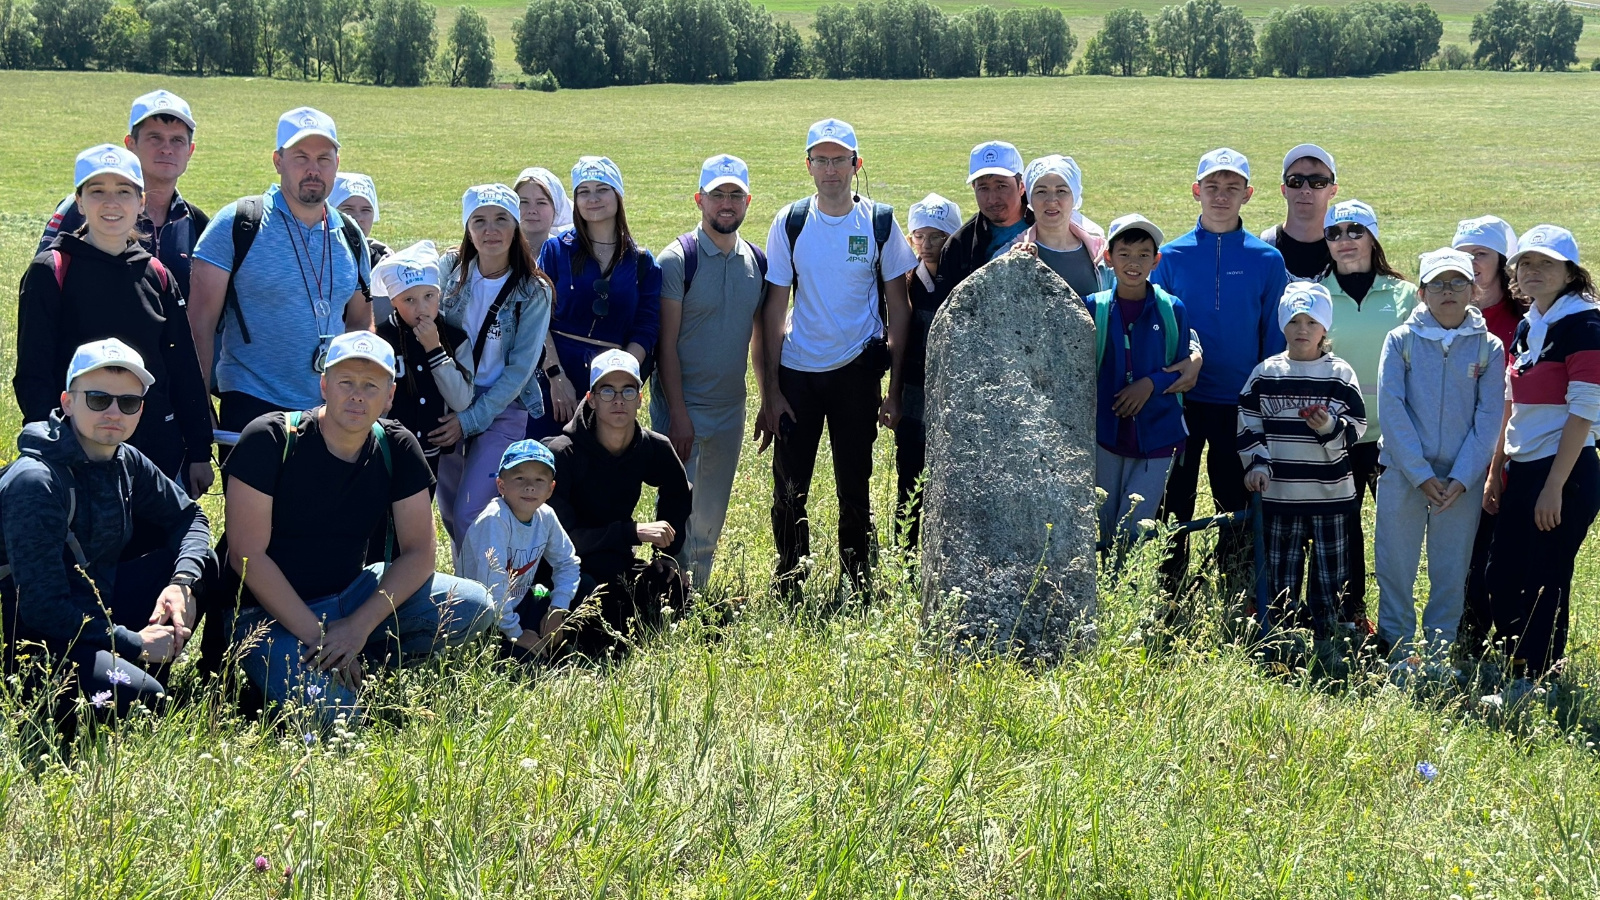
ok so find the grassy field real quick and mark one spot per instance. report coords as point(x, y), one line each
point(790, 757)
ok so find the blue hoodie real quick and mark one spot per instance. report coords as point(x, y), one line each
point(1230, 285)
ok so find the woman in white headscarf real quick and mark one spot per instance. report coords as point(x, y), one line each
point(546, 209)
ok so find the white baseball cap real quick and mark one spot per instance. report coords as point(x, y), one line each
point(360, 345)
point(159, 103)
point(298, 124)
point(1492, 232)
point(1437, 262)
point(934, 211)
point(403, 270)
point(112, 158)
point(1305, 297)
point(597, 168)
point(552, 185)
point(354, 184)
point(1310, 151)
point(104, 354)
point(1222, 160)
point(831, 131)
point(1135, 222)
point(724, 169)
point(613, 361)
point(993, 158)
point(1056, 164)
point(1547, 240)
point(1352, 212)
point(480, 195)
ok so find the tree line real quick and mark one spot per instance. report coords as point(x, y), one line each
point(596, 43)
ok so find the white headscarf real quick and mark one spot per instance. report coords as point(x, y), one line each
point(558, 196)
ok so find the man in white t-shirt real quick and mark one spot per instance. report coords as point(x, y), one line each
point(825, 358)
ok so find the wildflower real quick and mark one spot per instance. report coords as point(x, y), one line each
point(262, 863)
point(101, 700)
point(313, 691)
point(1427, 771)
point(310, 738)
point(117, 676)
point(298, 814)
point(529, 764)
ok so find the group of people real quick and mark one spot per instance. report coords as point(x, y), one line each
point(356, 385)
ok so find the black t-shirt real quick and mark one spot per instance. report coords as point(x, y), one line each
point(324, 510)
point(1305, 260)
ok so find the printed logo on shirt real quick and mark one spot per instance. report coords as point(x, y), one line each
point(858, 248)
point(1276, 407)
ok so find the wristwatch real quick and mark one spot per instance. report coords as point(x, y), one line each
point(553, 372)
point(183, 579)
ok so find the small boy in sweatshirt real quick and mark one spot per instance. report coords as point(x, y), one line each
point(430, 383)
point(1139, 427)
point(1441, 386)
point(1299, 413)
point(503, 548)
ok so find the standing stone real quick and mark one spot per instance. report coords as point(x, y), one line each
point(1009, 506)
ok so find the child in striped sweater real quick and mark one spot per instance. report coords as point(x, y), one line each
point(1299, 413)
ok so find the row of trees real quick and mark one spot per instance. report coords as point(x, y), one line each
point(1528, 34)
point(391, 42)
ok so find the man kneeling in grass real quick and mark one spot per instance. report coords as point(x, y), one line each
point(305, 492)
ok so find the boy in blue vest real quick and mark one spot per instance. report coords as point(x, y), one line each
point(1139, 428)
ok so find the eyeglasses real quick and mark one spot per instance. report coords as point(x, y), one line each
point(1453, 286)
point(609, 394)
point(602, 298)
point(832, 162)
point(1316, 182)
point(100, 401)
point(1354, 232)
point(726, 196)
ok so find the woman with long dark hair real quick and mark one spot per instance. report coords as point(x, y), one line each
point(607, 288)
point(495, 292)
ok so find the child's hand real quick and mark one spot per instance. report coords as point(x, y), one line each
point(427, 334)
point(1256, 480)
point(448, 432)
point(1433, 490)
point(1132, 398)
point(1318, 418)
point(1451, 492)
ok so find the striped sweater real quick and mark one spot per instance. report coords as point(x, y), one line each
point(1310, 472)
point(1565, 380)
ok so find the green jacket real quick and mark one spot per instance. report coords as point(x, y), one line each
point(1359, 331)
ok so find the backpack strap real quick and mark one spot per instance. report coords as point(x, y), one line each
point(1405, 346)
point(691, 258)
point(292, 432)
point(794, 223)
point(355, 241)
point(61, 262)
point(382, 437)
point(761, 258)
point(882, 227)
point(247, 212)
point(1483, 355)
point(1101, 308)
point(163, 276)
point(1169, 324)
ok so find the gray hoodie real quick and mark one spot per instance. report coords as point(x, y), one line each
point(56, 603)
point(1441, 411)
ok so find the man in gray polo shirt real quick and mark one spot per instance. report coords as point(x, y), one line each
point(708, 318)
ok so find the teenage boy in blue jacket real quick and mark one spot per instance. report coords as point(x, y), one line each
point(1230, 282)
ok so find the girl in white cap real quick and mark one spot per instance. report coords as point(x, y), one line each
point(355, 196)
point(494, 291)
point(1299, 413)
point(545, 208)
point(1442, 387)
point(1370, 298)
point(932, 220)
point(96, 283)
point(1544, 481)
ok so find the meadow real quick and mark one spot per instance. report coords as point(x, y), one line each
point(787, 755)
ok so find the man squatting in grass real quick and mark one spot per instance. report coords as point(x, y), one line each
point(1310, 183)
point(826, 360)
point(709, 314)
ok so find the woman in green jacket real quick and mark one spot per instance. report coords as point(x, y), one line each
point(1370, 298)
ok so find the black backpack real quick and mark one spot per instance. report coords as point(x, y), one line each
point(882, 226)
point(247, 214)
point(65, 477)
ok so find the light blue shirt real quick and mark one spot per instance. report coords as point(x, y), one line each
point(287, 314)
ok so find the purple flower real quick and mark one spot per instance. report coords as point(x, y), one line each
point(101, 700)
point(262, 863)
point(1427, 771)
point(313, 691)
point(288, 873)
point(117, 676)
point(310, 738)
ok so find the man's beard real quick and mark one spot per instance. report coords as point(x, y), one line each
point(719, 228)
point(311, 193)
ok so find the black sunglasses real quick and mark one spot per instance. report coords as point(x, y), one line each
point(602, 297)
point(1317, 182)
point(100, 401)
point(1354, 231)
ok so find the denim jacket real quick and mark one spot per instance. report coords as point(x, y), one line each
point(524, 320)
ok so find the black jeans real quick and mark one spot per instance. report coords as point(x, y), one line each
point(1476, 615)
point(846, 401)
point(1364, 469)
point(1216, 425)
point(1530, 571)
point(910, 459)
point(630, 601)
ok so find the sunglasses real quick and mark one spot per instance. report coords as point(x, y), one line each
point(1316, 182)
point(602, 298)
point(1354, 232)
point(100, 401)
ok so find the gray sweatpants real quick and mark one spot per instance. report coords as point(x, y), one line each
point(1403, 521)
point(1122, 477)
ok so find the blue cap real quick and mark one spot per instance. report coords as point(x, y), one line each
point(112, 158)
point(993, 158)
point(1492, 232)
point(527, 450)
point(296, 125)
point(360, 345)
point(832, 131)
point(1352, 212)
point(724, 169)
point(1222, 160)
point(352, 184)
point(597, 168)
point(1547, 240)
point(490, 195)
point(159, 103)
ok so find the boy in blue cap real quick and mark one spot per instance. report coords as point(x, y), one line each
point(515, 532)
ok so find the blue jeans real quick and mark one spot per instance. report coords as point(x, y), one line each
point(445, 612)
